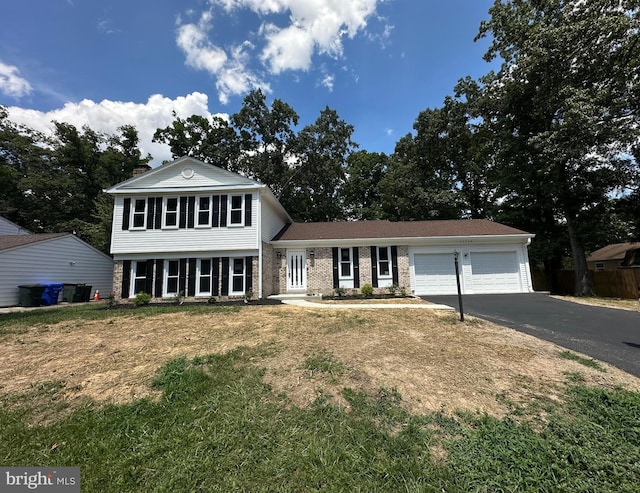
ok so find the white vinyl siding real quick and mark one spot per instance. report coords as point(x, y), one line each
point(175, 240)
point(59, 260)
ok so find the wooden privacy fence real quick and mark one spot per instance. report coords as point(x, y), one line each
point(618, 283)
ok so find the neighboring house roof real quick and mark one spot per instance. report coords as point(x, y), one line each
point(388, 229)
point(13, 241)
point(615, 251)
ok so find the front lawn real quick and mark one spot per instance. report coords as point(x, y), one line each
point(288, 399)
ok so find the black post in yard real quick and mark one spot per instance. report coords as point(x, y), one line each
point(455, 260)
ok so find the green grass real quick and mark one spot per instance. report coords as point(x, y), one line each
point(591, 363)
point(15, 323)
point(219, 427)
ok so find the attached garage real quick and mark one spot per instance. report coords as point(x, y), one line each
point(481, 271)
point(434, 273)
point(495, 272)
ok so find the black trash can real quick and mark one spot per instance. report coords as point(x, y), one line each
point(86, 293)
point(30, 294)
point(73, 293)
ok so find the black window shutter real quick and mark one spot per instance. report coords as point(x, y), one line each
point(356, 267)
point(247, 209)
point(225, 276)
point(183, 212)
point(191, 212)
point(374, 266)
point(182, 275)
point(126, 212)
point(248, 273)
point(151, 209)
point(216, 211)
point(159, 277)
point(191, 283)
point(158, 223)
point(336, 279)
point(394, 265)
point(126, 278)
point(215, 276)
point(223, 211)
point(148, 282)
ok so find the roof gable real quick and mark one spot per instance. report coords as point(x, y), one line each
point(351, 230)
point(10, 228)
point(185, 173)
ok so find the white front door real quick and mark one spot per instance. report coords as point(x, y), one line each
point(296, 270)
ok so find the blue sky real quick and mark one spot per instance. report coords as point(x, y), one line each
point(378, 63)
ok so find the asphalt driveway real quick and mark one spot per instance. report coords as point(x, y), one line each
point(605, 334)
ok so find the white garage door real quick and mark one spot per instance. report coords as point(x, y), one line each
point(495, 272)
point(435, 274)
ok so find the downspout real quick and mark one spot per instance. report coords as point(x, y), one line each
point(259, 220)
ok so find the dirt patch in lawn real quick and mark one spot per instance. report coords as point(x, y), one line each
point(435, 362)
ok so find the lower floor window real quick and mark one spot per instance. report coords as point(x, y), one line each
point(172, 276)
point(237, 275)
point(139, 280)
point(204, 277)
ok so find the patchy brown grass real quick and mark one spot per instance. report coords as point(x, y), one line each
point(633, 305)
point(436, 362)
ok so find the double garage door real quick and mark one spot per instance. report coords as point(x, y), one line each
point(491, 272)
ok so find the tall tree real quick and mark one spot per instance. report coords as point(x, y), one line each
point(267, 140)
point(564, 106)
point(212, 140)
point(312, 193)
point(361, 195)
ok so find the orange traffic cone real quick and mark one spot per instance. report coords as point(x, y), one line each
point(96, 297)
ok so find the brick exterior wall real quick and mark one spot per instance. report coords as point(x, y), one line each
point(320, 270)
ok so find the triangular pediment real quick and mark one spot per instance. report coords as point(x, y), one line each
point(185, 173)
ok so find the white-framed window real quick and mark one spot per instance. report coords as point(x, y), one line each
point(138, 277)
point(204, 277)
point(139, 214)
point(345, 267)
point(599, 265)
point(236, 276)
point(171, 210)
point(203, 211)
point(385, 277)
point(236, 210)
point(171, 277)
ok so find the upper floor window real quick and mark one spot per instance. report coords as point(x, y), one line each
point(139, 213)
point(236, 210)
point(203, 205)
point(171, 212)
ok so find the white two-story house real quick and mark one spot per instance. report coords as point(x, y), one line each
point(195, 230)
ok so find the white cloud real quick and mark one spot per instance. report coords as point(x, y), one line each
point(231, 70)
point(314, 27)
point(11, 84)
point(107, 116)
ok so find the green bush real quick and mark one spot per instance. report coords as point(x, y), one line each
point(367, 290)
point(142, 299)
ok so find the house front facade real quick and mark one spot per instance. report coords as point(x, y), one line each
point(195, 230)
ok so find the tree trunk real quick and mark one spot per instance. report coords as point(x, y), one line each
point(583, 284)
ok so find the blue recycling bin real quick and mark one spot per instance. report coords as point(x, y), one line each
point(51, 293)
